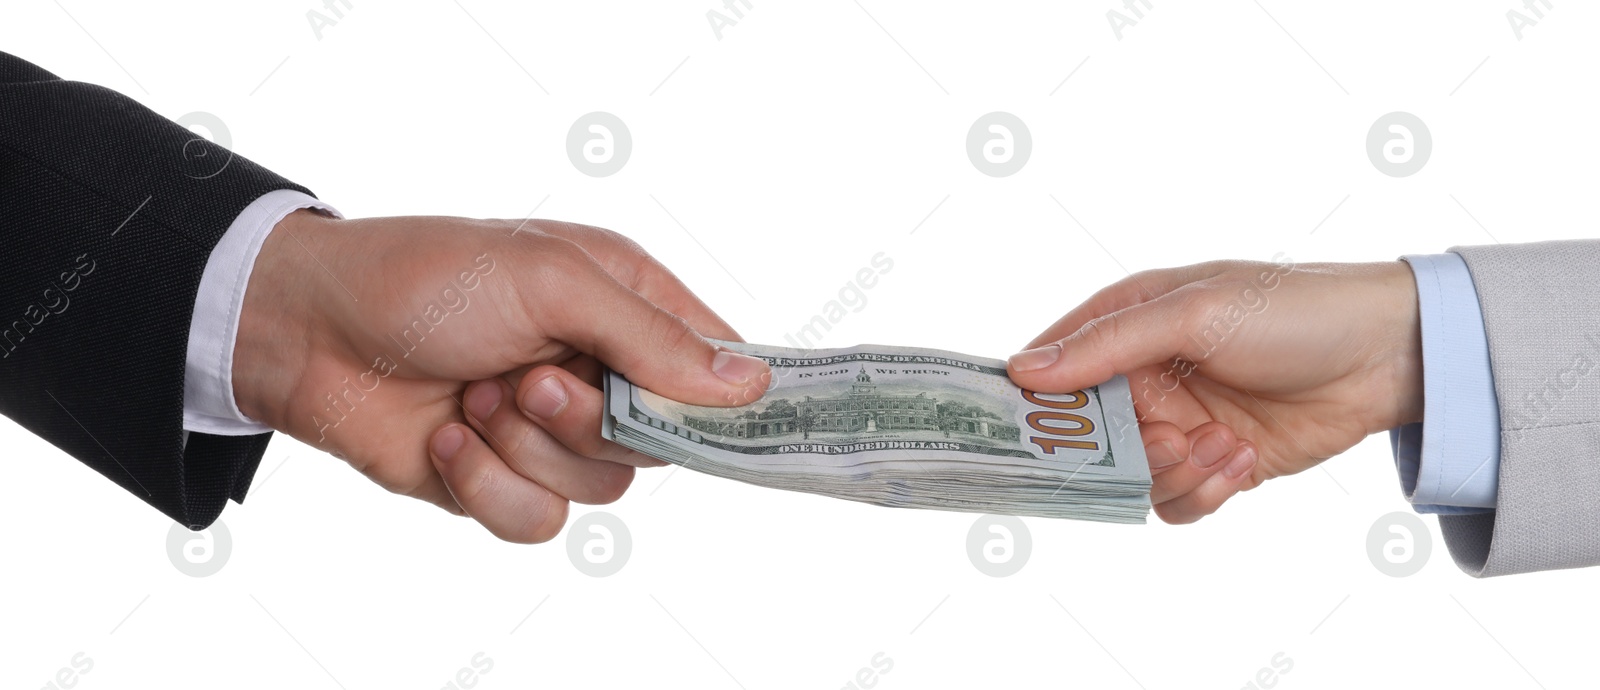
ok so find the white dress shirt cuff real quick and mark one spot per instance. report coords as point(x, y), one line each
point(208, 403)
point(1450, 463)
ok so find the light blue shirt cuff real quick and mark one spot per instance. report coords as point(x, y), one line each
point(1450, 463)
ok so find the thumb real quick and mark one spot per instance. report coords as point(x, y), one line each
point(653, 347)
point(1116, 343)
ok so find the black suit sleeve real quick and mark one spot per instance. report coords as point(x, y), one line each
point(108, 214)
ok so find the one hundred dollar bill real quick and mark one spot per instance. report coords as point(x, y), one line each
point(905, 427)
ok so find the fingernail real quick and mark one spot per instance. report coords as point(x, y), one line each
point(737, 369)
point(1209, 449)
point(483, 398)
point(1242, 462)
point(1161, 454)
point(448, 442)
point(1037, 358)
point(545, 399)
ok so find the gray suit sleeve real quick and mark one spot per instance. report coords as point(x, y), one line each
point(1541, 312)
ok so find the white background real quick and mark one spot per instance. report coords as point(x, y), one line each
point(794, 148)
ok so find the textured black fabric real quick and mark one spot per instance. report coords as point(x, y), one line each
point(108, 214)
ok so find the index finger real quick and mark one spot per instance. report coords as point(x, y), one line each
point(1133, 290)
point(632, 266)
point(572, 299)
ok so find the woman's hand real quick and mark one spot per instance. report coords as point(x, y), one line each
point(1243, 371)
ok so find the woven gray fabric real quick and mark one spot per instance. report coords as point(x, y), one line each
point(1541, 311)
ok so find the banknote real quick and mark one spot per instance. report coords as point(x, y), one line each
point(904, 427)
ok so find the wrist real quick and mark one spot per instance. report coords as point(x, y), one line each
point(1403, 342)
point(272, 347)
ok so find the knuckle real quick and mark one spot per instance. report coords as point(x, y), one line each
point(1149, 276)
point(588, 232)
point(1100, 330)
point(518, 229)
point(404, 479)
point(550, 266)
point(589, 235)
point(1174, 516)
point(1215, 266)
point(1223, 268)
point(1205, 503)
point(1196, 299)
point(1194, 305)
point(557, 250)
point(538, 528)
point(613, 484)
point(360, 462)
point(546, 274)
point(475, 482)
point(513, 447)
point(671, 333)
point(645, 271)
point(415, 482)
point(584, 442)
point(615, 239)
point(525, 454)
point(472, 482)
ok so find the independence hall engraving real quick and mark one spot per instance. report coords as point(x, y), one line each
point(862, 410)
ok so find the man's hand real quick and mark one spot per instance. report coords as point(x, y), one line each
point(1242, 372)
point(457, 361)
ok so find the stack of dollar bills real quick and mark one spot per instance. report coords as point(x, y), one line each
point(905, 427)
